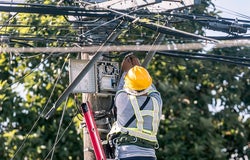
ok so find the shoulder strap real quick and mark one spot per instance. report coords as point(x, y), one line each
point(133, 117)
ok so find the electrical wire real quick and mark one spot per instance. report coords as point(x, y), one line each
point(62, 26)
point(193, 55)
point(28, 74)
point(6, 23)
point(77, 104)
point(185, 63)
point(29, 57)
point(57, 39)
point(224, 59)
point(46, 157)
point(110, 21)
point(203, 17)
point(59, 128)
point(234, 12)
point(40, 115)
point(212, 55)
point(93, 28)
point(155, 26)
point(103, 24)
point(46, 6)
point(56, 82)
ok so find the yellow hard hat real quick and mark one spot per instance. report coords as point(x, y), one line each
point(137, 78)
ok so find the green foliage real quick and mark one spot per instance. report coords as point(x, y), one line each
point(190, 130)
point(20, 111)
point(26, 83)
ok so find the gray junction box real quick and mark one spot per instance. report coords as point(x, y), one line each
point(101, 78)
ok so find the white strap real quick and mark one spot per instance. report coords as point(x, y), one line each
point(138, 115)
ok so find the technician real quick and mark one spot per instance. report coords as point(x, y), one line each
point(139, 108)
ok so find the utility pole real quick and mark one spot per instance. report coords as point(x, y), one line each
point(87, 147)
point(101, 102)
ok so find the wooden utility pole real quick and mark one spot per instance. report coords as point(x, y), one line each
point(87, 146)
point(99, 103)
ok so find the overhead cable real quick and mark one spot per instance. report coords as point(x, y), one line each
point(59, 128)
point(204, 57)
point(58, 140)
point(40, 115)
point(235, 13)
point(155, 26)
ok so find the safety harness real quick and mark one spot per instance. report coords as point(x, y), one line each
point(139, 135)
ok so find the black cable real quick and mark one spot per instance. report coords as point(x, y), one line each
point(58, 140)
point(211, 55)
point(27, 74)
point(235, 13)
point(77, 104)
point(59, 128)
point(235, 37)
point(40, 115)
point(203, 57)
point(123, 54)
point(204, 17)
point(53, 10)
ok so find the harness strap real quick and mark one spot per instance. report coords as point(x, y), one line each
point(125, 139)
point(141, 108)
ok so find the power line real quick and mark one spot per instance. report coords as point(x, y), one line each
point(53, 10)
point(235, 13)
point(104, 12)
point(155, 26)
point(28, 74)
point(40, 115)
point(56, 142)
point(224, 59)
point(59, 128)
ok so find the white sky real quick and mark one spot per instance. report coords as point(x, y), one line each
point(241, 6)
point(228, 8)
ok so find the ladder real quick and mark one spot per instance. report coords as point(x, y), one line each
point(93, 132)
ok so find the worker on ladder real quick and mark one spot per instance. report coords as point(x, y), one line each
point(139, 107)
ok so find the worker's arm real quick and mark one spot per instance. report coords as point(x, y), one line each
point(128, 62)
point(121, 82)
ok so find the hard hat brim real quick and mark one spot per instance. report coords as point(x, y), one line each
point(137, 93)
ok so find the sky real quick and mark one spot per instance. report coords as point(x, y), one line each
point(228, 7)
point(241, 6)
